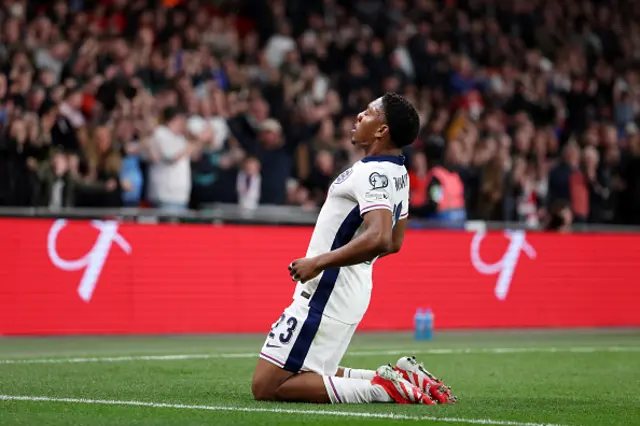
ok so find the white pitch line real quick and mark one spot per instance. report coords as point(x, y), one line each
point(457, 351)
point(270, 410)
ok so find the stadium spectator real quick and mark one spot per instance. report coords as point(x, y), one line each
point(565, 182)
point(99, 171)
point(131, 175)
point(418, 181)
point(170, 154)
point(630, 184)
point(321, 176)
point(21, 168)
point(249, 184)
point(513, 84)
point(276, 160)
point(443, 199)
point(560, 217)
point(57, 184)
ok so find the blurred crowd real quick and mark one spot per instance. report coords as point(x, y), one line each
point(532, 105)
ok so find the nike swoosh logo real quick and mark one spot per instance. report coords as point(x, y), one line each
point(269, 345)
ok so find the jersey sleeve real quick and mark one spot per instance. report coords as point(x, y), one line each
point(404, 210)
point(372, 189)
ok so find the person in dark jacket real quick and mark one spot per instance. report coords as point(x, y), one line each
point(57, 184)
point(277, 162)
point(560, 176)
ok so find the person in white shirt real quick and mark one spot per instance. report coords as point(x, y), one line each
point(364, 217)
point(169, 180)
point(248, 184)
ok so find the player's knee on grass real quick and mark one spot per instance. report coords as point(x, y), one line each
point(303, 387)
point(264, 388)
point(267, 378)
point(263, 391)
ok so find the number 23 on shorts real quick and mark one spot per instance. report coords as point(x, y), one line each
point(285, 336)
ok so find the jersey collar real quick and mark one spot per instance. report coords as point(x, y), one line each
point(396, 159)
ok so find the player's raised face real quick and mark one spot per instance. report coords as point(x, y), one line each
point(370, 124)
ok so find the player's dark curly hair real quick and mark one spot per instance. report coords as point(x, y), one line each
point(402, 119)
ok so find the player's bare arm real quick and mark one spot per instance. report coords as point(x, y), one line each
point(377, 239)
point(398, 238)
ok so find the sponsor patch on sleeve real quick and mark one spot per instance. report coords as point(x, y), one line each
point(374, 195)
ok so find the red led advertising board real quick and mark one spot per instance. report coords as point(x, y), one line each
point(105, 277)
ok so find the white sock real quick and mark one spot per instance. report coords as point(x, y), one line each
point(354, 391)
point(354, 373)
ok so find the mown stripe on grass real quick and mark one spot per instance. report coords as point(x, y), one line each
point(269, 410)
point(456, 351)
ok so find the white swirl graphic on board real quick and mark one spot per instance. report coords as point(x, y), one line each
point(94, 260)
point(506, 266)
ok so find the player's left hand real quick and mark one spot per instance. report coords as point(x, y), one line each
point(304, 269)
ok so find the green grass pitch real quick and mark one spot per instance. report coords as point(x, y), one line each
point(517, 378)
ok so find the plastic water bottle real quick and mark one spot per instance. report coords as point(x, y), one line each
point(423, 324)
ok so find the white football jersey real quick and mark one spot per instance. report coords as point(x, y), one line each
point(377, 182)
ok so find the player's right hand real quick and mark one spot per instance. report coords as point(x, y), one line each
point(304, 269)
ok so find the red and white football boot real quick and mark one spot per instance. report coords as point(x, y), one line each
point(415, 373)
point(400, 390)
